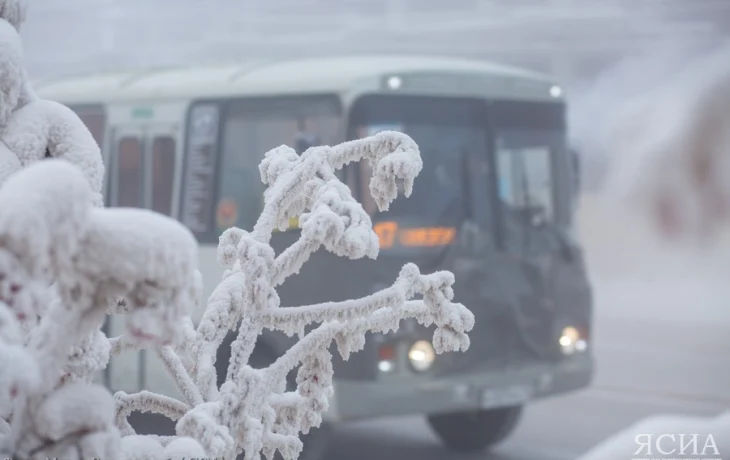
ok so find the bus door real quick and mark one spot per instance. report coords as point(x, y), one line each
point(143, 168)
point(144, 172)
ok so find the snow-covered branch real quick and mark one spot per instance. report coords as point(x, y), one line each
point(252, 412)
point(144, 401)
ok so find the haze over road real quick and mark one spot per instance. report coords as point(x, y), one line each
point(661, 345)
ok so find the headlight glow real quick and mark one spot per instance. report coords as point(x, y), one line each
point(421, 355)
point(556, 91)
point(570, 341)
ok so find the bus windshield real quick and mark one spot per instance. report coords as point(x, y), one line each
point(452, 136)
point(490, 162)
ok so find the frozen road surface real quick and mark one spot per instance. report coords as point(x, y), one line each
point(661, 346)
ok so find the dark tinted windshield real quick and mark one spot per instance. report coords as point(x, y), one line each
point(451, 134)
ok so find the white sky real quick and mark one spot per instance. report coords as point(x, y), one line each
point(83, 35)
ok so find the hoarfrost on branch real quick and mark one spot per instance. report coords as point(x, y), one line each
point(66, 263)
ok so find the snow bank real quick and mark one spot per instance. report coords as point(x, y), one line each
point(668, 436)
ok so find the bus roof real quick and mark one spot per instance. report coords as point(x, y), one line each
point(308, 76)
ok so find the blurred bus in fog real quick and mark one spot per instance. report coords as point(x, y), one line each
point(494, 204)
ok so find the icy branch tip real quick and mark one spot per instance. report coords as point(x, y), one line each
point(395, 157)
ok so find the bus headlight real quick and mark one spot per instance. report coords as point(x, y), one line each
point(556, 91)
point(421, 355)
point(571, 341)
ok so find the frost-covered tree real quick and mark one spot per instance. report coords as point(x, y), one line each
point(66, 262)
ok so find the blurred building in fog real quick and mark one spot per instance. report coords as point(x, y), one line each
point(571, 38)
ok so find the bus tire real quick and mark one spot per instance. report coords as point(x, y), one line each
point(316, 441)
point(475, 431)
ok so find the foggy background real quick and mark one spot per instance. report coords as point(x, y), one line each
point(573, 39)
point(583, 43)
point(661, 311)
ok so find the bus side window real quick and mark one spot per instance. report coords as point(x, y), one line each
point(95, 121)
point(130, 173)
point(163, 173)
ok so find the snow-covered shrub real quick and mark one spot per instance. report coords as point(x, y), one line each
point(66, 262)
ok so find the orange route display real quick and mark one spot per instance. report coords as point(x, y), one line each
point(390, 234)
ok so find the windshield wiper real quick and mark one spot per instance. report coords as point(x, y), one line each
point(534, 217)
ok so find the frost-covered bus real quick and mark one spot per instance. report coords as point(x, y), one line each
point(493, 204)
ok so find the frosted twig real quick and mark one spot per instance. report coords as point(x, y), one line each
point(124, 344)
point(223, 311)
point(291, 320)
point(383, 321)
point(144, 401)
point(180, 376)
point(291, 260)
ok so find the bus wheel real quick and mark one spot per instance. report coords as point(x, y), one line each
point(470, 432)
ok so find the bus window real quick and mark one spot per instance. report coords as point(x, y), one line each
point(163, 173)
point(130, 175)
point(525, 177)
point(95, 120)
point(254, 126)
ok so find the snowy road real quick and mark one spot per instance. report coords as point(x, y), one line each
point(653, 357)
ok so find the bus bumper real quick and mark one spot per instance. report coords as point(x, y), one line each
point(465, 392)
